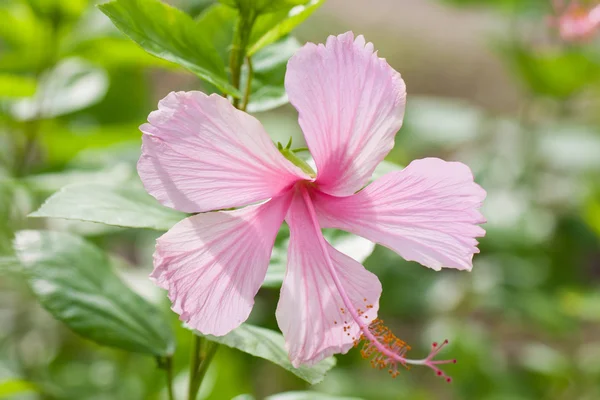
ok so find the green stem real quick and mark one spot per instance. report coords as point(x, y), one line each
point(248, 84)
point(212, 350)
point(169, 373)
point(241, 37)
point(194, 365)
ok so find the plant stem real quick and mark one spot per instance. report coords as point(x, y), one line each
point(248, 84)
point(212, 350)
point(169, 372)
point(241, 37)
point(199, 364)
point(194, 365)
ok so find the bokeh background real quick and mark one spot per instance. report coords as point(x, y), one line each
point(490, 83)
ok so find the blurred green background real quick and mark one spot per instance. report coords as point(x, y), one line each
point(489, 84)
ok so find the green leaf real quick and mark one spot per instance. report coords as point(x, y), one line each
point(11, 387)
point(299, 395)
point(75, 282)
point(262, 6)
point(124, 205)
point(58, 9)
point(271, 27)
point(270, 345)
point(16, 85)
point(556, 73)
point(217, 24)
point(307, 395)
point(268, 89)
point(383, 168)
point(169, 33)
point(71, 86)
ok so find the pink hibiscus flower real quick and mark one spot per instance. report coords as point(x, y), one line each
point(200, 154)
point(576, 22)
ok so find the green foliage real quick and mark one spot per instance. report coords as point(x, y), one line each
point(269, 66)
point(12, 387)
point(168, 33)
point(123, 205)
point(75, 282)
point(308, 395)
point(70, 86)
point(267, 344)
point(556, 73)
point(262, 6)
point(269, 28)
point(16, 86)
point(509, 6)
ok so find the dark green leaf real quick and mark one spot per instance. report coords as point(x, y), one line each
point(217, 23)
point(75, 282)
point(273, 26)
point(269, 64)
point(262, 6)
point(124, 205)
point(270, 345)
point(169, 33)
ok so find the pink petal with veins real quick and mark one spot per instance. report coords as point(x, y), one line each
point(200, 154)
point(311, 312)
point(214, 263)
point(427, 213)
point(350, 104)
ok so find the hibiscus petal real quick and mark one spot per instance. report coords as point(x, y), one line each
point(350, 104)
point(214, 263)
point(427, 213)
point(200, 154)
point(311, 313)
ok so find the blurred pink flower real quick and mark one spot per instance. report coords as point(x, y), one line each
point(576, 22)
point(200, 154)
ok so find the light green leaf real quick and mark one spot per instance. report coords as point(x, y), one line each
point(383, 168)
point(304, 395)
point(71, 86)
point(11, 387)
point(54, 181)
point(51, 9)
point(270, 345)
point(75, 282)
point(273, 26)
point(268, 89)
point(124, 205)
point(16, 85)
point(554, 73)
point(307, 395)
point(169, 33)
